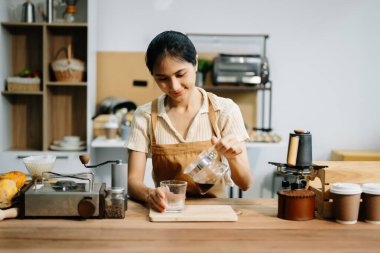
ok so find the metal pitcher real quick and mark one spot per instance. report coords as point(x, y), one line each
point(28, 12)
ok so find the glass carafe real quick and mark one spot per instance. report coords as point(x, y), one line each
point(205, 170)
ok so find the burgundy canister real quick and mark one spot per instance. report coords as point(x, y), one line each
point(297, 205)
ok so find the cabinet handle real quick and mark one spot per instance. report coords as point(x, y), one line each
point(57, 157)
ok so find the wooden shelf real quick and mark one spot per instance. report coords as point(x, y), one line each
point(67, 24)
point(23, 150)
point(26, 121)
point(237, 88)
point(21, 24)
point(22, 92)
point(66, 84)
point(66, 113)
point(41, 24)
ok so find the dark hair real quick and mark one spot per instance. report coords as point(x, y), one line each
point(171, 43)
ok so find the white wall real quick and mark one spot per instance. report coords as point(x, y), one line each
point(324, 56)
point(4, 69)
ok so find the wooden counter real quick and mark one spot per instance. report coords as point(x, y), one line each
point(258, 230)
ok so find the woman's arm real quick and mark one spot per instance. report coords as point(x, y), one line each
point(236, 153)
point(154, 198)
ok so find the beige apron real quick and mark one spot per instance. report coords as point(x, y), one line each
point(170, 160)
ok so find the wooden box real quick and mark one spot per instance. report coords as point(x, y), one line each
point(355, 155)
point(23, 84)
point(98, 124)
point(340, 171)
point(17, 87)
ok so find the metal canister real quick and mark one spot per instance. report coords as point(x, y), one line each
point(300, 149)
point(49, 10)
point(28, 12)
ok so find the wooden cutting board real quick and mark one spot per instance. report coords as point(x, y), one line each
point(197, 213)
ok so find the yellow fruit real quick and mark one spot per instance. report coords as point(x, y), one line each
point(16, 176)
point(8, 189)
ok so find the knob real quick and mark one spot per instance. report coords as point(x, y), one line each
point(86, 207)
point(285, 184)
point(296, 186)
point(85, 158)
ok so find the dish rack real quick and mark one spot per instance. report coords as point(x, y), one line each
point(68, 69)
point(340, 171)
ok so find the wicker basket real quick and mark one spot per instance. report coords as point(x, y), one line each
point(68, 69)
point(17, 84)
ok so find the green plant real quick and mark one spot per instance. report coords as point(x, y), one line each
point(204, 66)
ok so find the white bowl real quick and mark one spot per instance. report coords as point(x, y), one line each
point(38, 164)
point(71, 139)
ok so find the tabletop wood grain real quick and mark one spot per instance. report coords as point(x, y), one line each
point(257, 230)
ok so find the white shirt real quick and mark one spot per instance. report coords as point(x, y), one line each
point(228, 117)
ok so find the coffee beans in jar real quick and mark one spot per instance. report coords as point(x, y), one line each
point(115, 203)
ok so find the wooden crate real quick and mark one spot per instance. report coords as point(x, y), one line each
point(18, 87)
point(340, 171)
point(355, 155)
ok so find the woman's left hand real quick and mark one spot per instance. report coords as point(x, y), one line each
point(229, 146)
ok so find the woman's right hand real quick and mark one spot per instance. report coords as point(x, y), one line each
point(156, 199)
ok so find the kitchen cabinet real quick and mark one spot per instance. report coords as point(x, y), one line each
point(32, 120)
point(58, 108)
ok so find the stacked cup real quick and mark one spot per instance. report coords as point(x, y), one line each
point(111, 128)
point(371, 202)
point(346, 202)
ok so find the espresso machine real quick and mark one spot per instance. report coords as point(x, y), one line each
point(295, 201)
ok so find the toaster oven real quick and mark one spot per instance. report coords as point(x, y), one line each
point(240, 69)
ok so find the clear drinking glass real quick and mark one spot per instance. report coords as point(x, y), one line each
point(175, 194)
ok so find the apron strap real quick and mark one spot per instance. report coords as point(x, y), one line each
point(211, 113)
point(154, 120)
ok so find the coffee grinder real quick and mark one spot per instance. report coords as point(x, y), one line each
point(295, 201)
point(119, 173)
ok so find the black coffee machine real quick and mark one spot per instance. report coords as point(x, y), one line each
point(295, 201)
point(299, 161)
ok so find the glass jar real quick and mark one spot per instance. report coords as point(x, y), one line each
point(115, 203)
point(70, 11)
point(69, 17)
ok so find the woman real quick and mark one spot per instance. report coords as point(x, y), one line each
point(181, 123)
